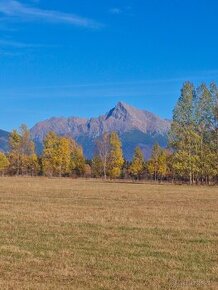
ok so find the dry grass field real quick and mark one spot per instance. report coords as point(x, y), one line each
point(88, 234)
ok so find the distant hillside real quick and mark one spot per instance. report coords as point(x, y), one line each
point(4, 136)
point(135, 127)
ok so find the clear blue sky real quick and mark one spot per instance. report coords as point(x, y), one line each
point(79, 58)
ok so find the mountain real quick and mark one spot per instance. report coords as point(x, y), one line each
point(135, 128)
point(4, 136)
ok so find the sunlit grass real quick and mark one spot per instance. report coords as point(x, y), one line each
point(88, 234)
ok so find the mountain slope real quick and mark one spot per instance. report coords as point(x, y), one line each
point(4, 136)
point(135, 127)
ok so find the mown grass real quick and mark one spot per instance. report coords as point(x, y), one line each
point(88, 234)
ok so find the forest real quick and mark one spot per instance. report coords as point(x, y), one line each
point(190, 157)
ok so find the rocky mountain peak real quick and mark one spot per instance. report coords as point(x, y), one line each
point(121, 111)
point(122, 106)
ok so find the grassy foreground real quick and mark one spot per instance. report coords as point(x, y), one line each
point(78, 234)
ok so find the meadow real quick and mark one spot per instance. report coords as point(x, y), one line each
point(91, 234)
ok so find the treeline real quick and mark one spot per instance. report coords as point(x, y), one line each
point(191, 156)
point(194, 134)
point(61, 156)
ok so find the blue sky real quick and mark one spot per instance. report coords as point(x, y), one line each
point(79, 58)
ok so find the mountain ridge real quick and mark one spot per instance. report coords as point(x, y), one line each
point(128, 121)
point(135, 127)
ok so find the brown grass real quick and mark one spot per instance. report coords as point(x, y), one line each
point(88, 234)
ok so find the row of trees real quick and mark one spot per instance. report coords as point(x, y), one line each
point(192, 154)
point(194, 134)
point(61, 156)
